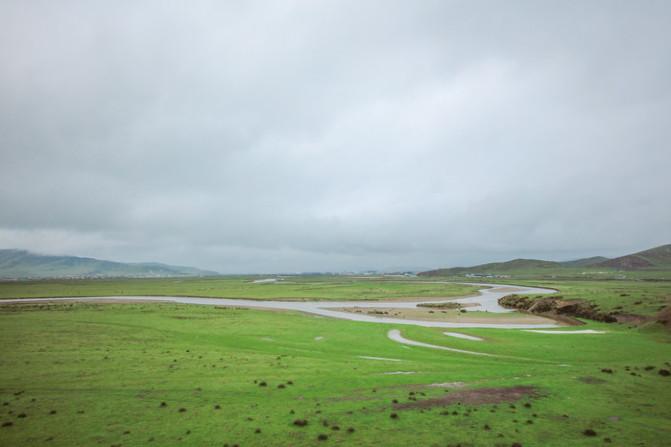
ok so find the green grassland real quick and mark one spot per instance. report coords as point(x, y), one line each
point(635, 296)
point(85, 374)
point(293, 288)
point(632, 297)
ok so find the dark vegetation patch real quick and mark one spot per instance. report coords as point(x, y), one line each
point(557, 307)
point(450, 305)
point(479, 396)
point(664, 316)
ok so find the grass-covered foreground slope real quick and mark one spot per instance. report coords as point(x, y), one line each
point(138, 375)
point(295, 288)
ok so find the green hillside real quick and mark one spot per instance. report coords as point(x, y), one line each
point(584, 261)
point(648, 263)
point(21, 264)
point(495, 267)
point(658, 257)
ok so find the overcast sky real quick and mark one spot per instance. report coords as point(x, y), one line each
point(288, 136)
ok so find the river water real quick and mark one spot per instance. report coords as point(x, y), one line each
point(487, 300)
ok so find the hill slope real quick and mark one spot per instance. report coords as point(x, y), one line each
point(16, 264)
point(584, 261)
point(495, 267)
point(658, 257)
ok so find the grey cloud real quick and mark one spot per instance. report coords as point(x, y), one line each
point(288, 136)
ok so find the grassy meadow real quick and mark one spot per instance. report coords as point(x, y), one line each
point(134, 375)
point(292, 288)
point(632, 297)
point(164, 374)
point(639, 297)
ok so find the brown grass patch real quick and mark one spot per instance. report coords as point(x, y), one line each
point(478, 396)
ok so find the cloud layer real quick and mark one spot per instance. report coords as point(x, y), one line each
point(306, 136)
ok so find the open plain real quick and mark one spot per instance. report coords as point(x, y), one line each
point(139, 373)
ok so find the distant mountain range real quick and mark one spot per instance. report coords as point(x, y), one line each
point(658, 258)
point(22, 264)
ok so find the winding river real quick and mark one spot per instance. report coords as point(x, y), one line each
point(487, 300)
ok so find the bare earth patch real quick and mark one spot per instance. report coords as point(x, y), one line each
point(453, 385)
point(479, 396)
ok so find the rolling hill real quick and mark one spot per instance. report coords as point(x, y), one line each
point(584, 261)
point(22, 264)
point(497, 267)
point(658, 258)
